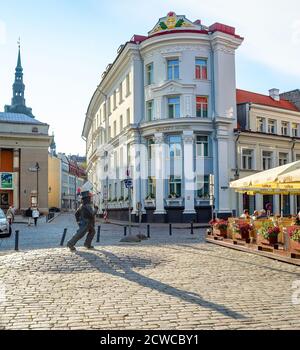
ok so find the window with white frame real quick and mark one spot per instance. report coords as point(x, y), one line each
point(121, 93)
point(202, 187)
point(295, 129)
point(248, 159)
point(267, 160)
point(128, 116)
point(151, 186)
point(115, 99)
point(115, 128)
point(202, 146)
point(283, 158)
point(116, 190)
point(149, 110)
point(272, 126)
point(202, 106)
point(174, 107)
point(260, 124)
point(122, 197)
point(109, 105)
point(121, 123)
point(175, 146)
point(175, 186)
point(173, 69)
point(284, 128)
point(149, 74)
point(128, 84)
point(151, 148)
point(201, 68)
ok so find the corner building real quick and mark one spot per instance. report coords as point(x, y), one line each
point(166, 110)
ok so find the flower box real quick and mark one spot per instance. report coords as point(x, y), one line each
point(174, 202)
point(149, 203)
point(294, 234)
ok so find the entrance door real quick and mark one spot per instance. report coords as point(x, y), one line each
point(268, 203)
point(249, 203)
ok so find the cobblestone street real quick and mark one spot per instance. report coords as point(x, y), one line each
point(177, 282)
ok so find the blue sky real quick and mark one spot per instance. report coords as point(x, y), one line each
point(66, 45)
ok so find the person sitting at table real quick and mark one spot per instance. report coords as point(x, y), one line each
point(255, 215)
point(297, 221)
point(245, 215)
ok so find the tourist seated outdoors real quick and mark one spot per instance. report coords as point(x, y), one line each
point(297, 221)
point(255, 215)
point(245, 215)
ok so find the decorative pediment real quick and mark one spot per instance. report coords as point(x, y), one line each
point(174, 22)
point(174, 86)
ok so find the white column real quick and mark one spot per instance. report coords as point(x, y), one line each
point(136, 175)
point(159, 173)
point(189, 173)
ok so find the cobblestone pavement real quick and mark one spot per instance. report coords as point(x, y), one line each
point(177, 282)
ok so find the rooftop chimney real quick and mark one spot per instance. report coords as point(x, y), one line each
point(274, 93)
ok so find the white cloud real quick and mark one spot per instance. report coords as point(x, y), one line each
point(2, 33)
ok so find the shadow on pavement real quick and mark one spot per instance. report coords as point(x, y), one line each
point(119, 269)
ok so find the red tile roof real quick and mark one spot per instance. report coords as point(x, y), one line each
point(243, 96)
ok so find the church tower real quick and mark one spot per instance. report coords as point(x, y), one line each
point(18, 104)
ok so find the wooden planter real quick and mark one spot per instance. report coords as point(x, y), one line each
point(221, 233)
point(295, 246)
point(272, 241)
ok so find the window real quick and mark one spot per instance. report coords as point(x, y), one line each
point(272, 126)
point(295, 127)
point(203, 187)
point(109, 132)
point(109, 192)
point(128, 116)
point(202, 106)
point(201, 68)
point(115, 99)
point(202, 146)
point(297, 157)
point(149, 111)
point(109, 105)
point(175, 146)
point(115, 128)
point(151, 145)
point(173, 69)
point(127, 84)
point(175, 186)
point(121, 93)
point(121, 123)
point(247, 159)
point(174, 107)
point(116, 190)
point(283, 158)
point(267, 160)
point(122, 190)
point(260, 124)
point(149, 74)
point(151, 186)
point(284, 128)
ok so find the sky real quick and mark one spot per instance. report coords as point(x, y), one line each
point(67, 44)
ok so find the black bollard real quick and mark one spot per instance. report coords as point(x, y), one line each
point(17, 241)
point(125, 231)
point(63, 237)
point(98, 234)
point(148, 231)
point(170, 229)
point(192, 228)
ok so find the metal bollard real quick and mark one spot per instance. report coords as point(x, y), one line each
point(98, 234)
point(63, 237)
point(170, 229)
point(192, 228)
point(125, 231)
point(148, 231)
point(17, 241)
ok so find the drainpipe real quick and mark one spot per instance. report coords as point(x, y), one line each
point(237, 170)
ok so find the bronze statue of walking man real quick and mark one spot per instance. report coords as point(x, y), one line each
point(85, 217)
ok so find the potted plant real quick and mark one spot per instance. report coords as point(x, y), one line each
point(270, 232)
point(220, 226)
point(150, 200)
point(244, 230)
point(294, 233)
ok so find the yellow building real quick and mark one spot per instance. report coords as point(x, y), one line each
point(54, 182)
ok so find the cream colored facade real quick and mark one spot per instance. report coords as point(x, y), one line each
point(270, 138)
point(30, 143)
point(54, 181)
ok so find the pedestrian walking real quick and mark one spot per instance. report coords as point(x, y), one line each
point(10, 215)
point(28, 214)
point(85, 217)
point(35, 215)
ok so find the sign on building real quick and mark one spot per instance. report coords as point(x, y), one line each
point(6, 181)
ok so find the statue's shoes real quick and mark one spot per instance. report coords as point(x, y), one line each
point(71, 247)
point(89, 247)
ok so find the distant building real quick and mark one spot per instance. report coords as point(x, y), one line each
point(268, 135)
point(24, 143)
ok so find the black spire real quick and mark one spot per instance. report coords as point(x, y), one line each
point(18, 104)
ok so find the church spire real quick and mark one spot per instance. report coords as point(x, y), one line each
point(18, 104)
